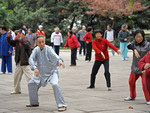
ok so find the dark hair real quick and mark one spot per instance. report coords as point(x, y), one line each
point(89, 29)
point(139, 31)
point(4, 28)
point(109, 25)
point(40, 36)
point(70, 32)
point(98, 31)
point(30, 29)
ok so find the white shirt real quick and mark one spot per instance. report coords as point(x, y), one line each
point(13, 35)
point(110, 35)
point(56, 39)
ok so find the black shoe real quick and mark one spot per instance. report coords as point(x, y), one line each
point(32, 105)
point(72, 65)
point(90, 87)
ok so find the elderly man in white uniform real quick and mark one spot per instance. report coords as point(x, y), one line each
point(44, 62)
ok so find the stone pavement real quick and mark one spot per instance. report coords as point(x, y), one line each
point(73, 82)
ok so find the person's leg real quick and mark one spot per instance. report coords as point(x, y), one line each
point(146, 93)
point(81, 46)
point(56, 48)
point(95, 69)
point(17, 78)
point(57, 92)
point(90, 51)
point(107, 73)
point(84, 48)
point(3, 64)
point(33, 93)
point(9, 63)
point(125, 50)
point(27, 72)
point(87, 53)
point(122, 50)
point(73, 56)
point(132, 85)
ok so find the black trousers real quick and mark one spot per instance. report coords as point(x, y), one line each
point(95, 69)
point(88, 51)
point(73, 56)
point(82, 46)
point(56, 49)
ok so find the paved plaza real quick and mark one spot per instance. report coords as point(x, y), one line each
point(73, 82)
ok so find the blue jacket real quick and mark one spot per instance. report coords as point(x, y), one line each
point(5, 46)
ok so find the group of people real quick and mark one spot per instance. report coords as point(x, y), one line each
point(38, 61)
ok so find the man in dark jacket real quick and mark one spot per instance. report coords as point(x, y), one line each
point(22, 54)
point(123, 36)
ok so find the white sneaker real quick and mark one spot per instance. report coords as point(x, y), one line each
point(86, 61)
point(9, 73)
point(148, 102)
point(126, 59)
point(129, 99)
point(14, 92)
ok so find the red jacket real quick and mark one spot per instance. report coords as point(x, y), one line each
point(72, 42)
point(41, 33)
point(88, 37)
point(141, 64)
point(101, 45)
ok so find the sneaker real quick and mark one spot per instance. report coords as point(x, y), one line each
point(148, 102)
point(126, 59)
point(122, 59)
point(109, 89)
point(9, 73)
point(86, 61)
point(129, 99)
point(63, 108)
point(14, 92)
point(90, 87)
point(72, 65)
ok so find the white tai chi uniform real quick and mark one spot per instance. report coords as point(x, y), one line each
point(46, 61)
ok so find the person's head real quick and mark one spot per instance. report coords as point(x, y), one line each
point(89, 29)
point(123, 27)
point(21, 34)
point(83, 27)
point(24, 27)
point(139, 36)
point(70, 33)
point(56, 30)
point(40, 41)
point(4, 29)
point(9, 29)
point(98, 34)
point(74, 29)
point(40, 27)
point(30, 31)
point(109, 27)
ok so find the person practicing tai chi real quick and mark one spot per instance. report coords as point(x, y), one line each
point(44, 61)
point(144, 65)
point(100, 45)
point(22, 54)
point(140, 48)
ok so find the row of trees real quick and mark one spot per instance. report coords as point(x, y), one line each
point(66, 13)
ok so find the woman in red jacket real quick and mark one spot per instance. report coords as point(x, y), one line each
point(72, 42)
point(100, 45)
point(144, 65)
point(88, 40)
